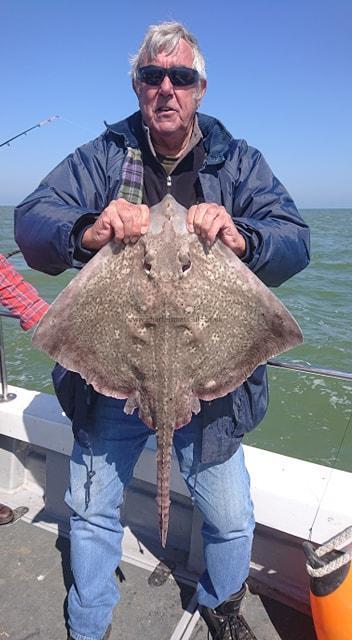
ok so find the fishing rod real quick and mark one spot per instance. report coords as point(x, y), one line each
point(23, 133)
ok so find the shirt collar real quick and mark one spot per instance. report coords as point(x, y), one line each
point(194, 139)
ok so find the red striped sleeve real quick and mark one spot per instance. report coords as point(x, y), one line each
point(20, 297)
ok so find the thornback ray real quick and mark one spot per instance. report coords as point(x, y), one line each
point(165, 322)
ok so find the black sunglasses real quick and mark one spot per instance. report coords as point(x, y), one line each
point(179, 76)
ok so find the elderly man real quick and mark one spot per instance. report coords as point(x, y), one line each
point(104, 191)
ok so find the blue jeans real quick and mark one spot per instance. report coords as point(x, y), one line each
point(221, 492)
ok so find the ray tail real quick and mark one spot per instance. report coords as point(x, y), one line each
point(164, 448)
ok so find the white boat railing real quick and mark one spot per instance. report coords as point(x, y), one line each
point(308, 368)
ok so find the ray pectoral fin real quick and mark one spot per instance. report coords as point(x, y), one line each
point(280, 332)
point(195, 406)
point(275, 332)
point(164, 437)
point(131, 403)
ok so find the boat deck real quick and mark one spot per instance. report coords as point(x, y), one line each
point(35, 575)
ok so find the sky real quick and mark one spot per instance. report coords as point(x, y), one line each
point(279, 75)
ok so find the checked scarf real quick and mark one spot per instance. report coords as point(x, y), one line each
point(131, 187)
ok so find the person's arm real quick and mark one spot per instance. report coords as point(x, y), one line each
point(262, 225)
point(277, 237)
point(73, 213)
point(20, 297)
point(49, 221)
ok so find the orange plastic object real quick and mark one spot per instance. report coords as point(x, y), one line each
point(332, 613)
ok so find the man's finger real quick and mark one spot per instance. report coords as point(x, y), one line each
point(128, 220)
point(198, 217)
point(190, 218)
point(218, 223)
point(145, 218)
point(118, 227)
point(211, 214)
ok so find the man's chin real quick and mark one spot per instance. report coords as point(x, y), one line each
point(166, 126)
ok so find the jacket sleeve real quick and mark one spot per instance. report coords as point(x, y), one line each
point(276, 235)
point(19, 296)
point(75, 190)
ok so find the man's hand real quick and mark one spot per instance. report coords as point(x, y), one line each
point(212, 220)
point(121, 220)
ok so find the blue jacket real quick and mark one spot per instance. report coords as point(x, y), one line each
point(234, 175)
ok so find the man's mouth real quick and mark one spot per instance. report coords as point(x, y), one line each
point(164, 109)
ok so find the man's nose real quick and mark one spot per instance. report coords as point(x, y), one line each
point(166, 86)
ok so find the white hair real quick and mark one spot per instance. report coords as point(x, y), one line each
point(164, 38)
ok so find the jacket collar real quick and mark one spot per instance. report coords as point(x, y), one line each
point(216, 138)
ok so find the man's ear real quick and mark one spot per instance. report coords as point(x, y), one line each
point(203, 88)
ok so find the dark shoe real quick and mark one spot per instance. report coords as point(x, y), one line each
point(6, 514)
point(225, 622)
point(105, 636)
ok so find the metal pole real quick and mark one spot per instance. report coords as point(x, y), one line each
point(307, 368)
point(4, 395)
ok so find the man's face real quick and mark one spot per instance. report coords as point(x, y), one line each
point(167, 110)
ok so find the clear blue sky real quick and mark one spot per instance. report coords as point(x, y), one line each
point(279, 75)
